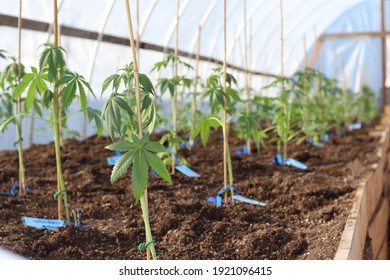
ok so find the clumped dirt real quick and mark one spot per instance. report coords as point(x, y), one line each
point(305, 214)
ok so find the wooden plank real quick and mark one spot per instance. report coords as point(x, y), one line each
point(353, 238)
point(374, 189)
point(384, 253)
point(355, 35)
point(377, 230)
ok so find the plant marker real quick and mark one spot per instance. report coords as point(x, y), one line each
point(218, 198)
point(290, 162)
point(112, 160)
point(182, 167)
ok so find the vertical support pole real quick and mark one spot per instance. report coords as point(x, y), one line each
point(281, 39)
point(247, 79)
point(384, 74)
point(22, 190)
point(143, 201)
point(224, 117)
point(174, 101)
point(304, 52)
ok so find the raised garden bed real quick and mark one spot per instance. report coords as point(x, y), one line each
point(305, 216)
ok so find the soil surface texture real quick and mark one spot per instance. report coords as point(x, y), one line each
point(304, 217)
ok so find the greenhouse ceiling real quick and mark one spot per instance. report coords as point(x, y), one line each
point(96, 38)
point(341, 38)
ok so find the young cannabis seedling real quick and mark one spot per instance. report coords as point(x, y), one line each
point(169, 84)
point(125, 118)
point(217, 98)
point(58, 88)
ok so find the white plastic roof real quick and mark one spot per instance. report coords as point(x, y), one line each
point(302, 18)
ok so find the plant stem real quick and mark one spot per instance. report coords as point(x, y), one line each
point(60, 178)
point(230, 171)
point(148, 232)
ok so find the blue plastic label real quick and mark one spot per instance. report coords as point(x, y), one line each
point(295, 163)
point(248, 200)
point(43, 223)
point(354, 126)
point(218, 201)
point(279, 159)
point(245, 149)
point(112, 160)
point(187, 171)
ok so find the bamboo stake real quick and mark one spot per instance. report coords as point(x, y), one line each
point(138, 40)
point(247, 79)
point(281, 41)
point(384, 69)
point(194, 101)
point(57, 138)
point(346, 99)
point(174, 101)
point(224, 127)
point(144, 204)
point(22, 190)
point(304, 51)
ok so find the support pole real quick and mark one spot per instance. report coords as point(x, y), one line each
point(384, 74)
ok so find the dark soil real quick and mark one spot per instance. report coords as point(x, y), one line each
point(304, 218)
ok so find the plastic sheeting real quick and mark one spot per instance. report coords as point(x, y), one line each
point(359, 59)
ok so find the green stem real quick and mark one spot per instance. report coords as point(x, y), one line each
point(60, 178)
point(285, 150)
point(22, 189)
point(174, 118)
point(148, 231)
point(230, 171)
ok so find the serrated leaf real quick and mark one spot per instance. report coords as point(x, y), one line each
point(158, 166)
point(146, 84)
point(122, 165)
point(155, 147)
point(122, 146)
point(21, 87)
point(68, 94)
point(4, 124)
point(30, 96)
point(139, 176)
point(94, 114)
point(108, 81)
point(83, 98)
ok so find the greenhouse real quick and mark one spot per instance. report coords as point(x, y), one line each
point(194, 130)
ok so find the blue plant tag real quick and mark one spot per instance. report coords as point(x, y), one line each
point(187, 171)
point(154, 173)
point(43, 223)
point(245, 149)
point(112, 160)
point(354, 126)
point(248, 200)
point(218, 201)
point(295, 163)
point(279, 159)
point(326, 137)
point(238, 152)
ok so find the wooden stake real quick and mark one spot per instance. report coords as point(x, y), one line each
point(304, 51)
point(19, 109)
point(174, 103)
point(281, 40)
point(138, 40)
point(384, 75)
point(144, 201)
point(224, 128)
point(194, 103)
point(247, 79)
